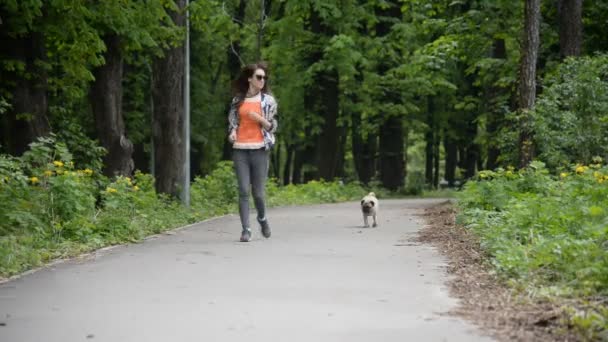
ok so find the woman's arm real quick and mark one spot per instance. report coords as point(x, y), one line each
point(263, 122)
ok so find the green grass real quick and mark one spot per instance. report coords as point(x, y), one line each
point(547, 235)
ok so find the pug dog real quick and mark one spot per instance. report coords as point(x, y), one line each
point(369, 207)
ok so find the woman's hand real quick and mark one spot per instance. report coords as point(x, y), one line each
point(259, 119)
point(232, 136)
point(254, 116)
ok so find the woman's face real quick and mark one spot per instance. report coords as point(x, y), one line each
point(258, 79)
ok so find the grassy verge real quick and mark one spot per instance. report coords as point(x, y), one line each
point(547, 236)
point(51, 209)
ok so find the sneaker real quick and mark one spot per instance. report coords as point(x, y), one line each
point(265, 228)
point(246, 235)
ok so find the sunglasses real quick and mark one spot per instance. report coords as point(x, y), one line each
point(260, 77)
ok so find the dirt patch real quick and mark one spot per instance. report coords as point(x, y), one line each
point(486, 302)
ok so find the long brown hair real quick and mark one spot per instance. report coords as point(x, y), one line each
point(241, 84)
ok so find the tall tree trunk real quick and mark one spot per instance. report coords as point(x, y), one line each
point(288, 163)
point(471, 161)
point(27, 119)
point(326, 98)
point(527, 81)
point(430, 142)
point(570, 27)
point(391, 144)
point(436, 144)
point(322, 99)
point(343, 135)
point(168, 94)
point(495, 119)
point(428, 153)
point(364, 151)
point(105, 97)
point(298, 165)
point(451, 158)
point(275, 161)
point(392, 165)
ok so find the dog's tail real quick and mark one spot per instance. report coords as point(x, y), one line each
point(371, 194)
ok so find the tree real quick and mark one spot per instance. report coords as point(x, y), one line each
point(168, 115)
point(527, 78)
point(570, 27)
point(106, 102)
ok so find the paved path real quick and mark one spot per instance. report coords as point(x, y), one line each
point(321, 277)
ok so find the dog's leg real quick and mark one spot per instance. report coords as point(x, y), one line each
point(375, 224)
point(365, 224)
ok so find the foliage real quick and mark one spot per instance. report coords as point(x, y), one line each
point(54, 209)
point(544, 233)
point(571, 117)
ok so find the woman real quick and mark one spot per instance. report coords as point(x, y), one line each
point(252, 123)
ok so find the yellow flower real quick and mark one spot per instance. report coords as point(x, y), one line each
point(88, 172)
point(509, 173)
point(34, 180)
point(48, 173)
point(596, 211)
point(136, 188)
point(59, 172)
point(128, 180)
point(581, 168)
point(111, 190)
point(564, 174)
point(58, 163)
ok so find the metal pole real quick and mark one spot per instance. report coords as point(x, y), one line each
point(186, 133)
point(260, 31)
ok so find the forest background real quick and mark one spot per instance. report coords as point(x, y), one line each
point(406, 93)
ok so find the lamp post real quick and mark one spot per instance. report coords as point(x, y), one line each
point(185, 193)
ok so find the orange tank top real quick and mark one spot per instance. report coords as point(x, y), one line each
point(249, 133)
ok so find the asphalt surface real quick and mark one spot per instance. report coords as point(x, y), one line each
point(320, 277)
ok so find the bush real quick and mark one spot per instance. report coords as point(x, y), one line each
point(570, 119)
point(544, 233)
point(52, 209)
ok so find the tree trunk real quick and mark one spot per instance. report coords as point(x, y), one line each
point(570, 27)
point(275, 161)
point(364, 151)
point(471, 161)
point(428, 152)
point(168, 94)
point(298, 165)
point(288, 163)
point(495, 118)
point(436, 144)
point(527, 82)
point(451, 158)
point(430, 142)
point(392, 165)
point(391, 142)
point(326, 103)
point(105, 97)
point(27, 119)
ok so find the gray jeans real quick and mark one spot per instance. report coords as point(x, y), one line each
point(251, 167)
